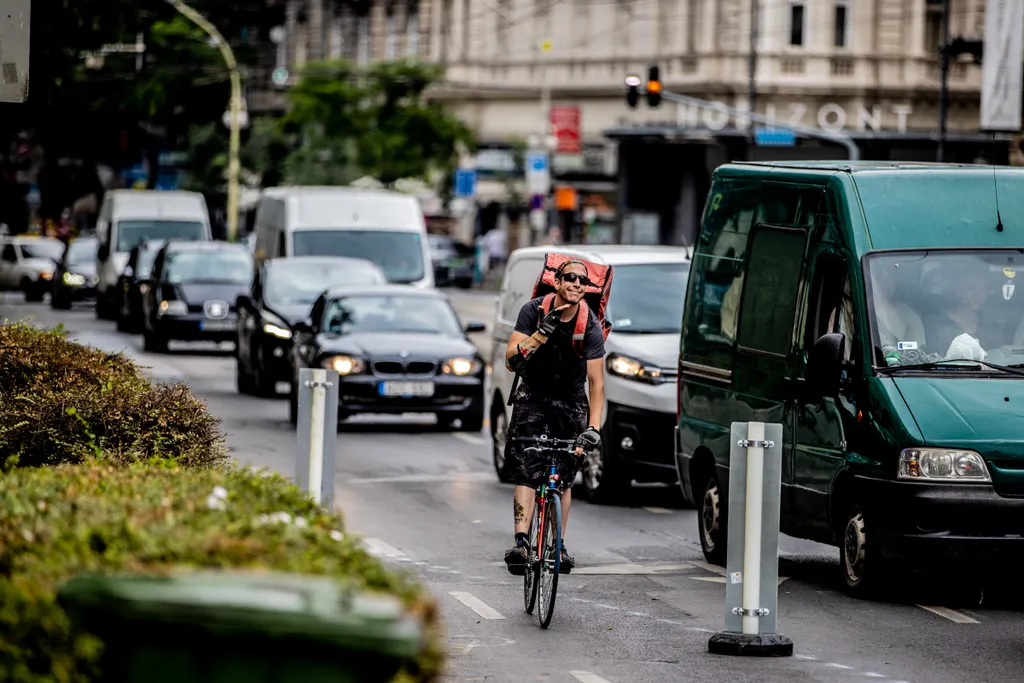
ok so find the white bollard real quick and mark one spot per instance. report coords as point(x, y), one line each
point(752, 528)
point(316, 435)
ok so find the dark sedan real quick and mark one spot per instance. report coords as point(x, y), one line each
point(397, 349)
point(132, 285)
point(192, 293)
point(453, 261)
point(283, 290)
point(75, 277)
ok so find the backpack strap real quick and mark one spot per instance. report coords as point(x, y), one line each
point(580, 333)
point(546, 303)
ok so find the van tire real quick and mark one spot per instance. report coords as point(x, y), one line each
point(711, 523)
point(243, 380)
point(613, 484)
point(33, 290)
point(499, 423)
point(864, 570)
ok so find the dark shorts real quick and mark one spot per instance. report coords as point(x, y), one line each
point(559, 419)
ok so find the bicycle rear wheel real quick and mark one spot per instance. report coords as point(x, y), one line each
point(530, 574)
point(550, 559)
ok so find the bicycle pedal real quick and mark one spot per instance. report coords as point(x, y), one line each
point(562, 569)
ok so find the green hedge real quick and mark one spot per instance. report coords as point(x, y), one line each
point(62, 402)
point(61, 521)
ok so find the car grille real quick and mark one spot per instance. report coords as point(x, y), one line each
point(408, 367)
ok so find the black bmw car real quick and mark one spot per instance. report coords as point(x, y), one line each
point(132, 285)
point(192, 292)
point(283, 290)
point(396, 349)
point(75, 277)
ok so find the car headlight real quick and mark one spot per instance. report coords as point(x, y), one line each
point(344, 365)
point(45, 274)
point(74, 279)
point(460, 367)
point(631, 368)
point(274, 326)
point(172, 308)
point(942, 464)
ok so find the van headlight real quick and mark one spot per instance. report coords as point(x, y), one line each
point(344, 365)
point(172, 308)
point(274, 326)
point(942, 464)
point(631, 368)
point(74, 279)
point(460, 367)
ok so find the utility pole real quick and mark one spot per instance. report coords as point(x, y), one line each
point(943, 82)
point(752, 75)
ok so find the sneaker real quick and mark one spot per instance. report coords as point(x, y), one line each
point(567, 563)
point(516, 559)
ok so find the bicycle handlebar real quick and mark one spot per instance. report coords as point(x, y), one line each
point(545, 441)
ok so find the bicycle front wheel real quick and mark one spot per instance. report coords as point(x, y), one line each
point(550, 559)
point(530, 574)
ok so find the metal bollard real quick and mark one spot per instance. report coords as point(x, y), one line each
point(317, 432)
point(752, 564)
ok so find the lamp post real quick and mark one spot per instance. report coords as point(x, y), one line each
point(235, 110)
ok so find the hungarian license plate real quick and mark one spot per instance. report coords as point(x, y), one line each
point(216, 325)
point(406, 389)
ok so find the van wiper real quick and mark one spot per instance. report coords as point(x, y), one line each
point(951, 362)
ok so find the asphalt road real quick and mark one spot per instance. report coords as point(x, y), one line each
point(641, 604)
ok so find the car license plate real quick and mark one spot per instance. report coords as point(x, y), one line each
point(216, 325)
point(407, 389)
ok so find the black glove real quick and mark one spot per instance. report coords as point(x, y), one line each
point(549, 323)
point(589, 440)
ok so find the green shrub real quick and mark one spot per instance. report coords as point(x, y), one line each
point(62, 402)
point(61, 521)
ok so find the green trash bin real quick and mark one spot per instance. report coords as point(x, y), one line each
point(219, 627)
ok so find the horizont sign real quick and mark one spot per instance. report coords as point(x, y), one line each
point(830, 117)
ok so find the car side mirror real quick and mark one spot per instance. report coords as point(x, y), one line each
point(304, 327)
point(103, 252)
point(242, 302)
point(825, 364)
point(475, 326)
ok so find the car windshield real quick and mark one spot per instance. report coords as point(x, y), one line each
point(131, 233)
point(291, 284)
point(81, 251)
point(930, 306)
point(391, 313)
point(147, 256)
point(399, 254)
point(648, 298)
point(47, 249)
point(209, 266)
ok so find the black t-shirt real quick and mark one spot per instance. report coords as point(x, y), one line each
point(556, 370)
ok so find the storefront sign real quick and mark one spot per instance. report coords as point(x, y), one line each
point(565, 126)
point(831, 117)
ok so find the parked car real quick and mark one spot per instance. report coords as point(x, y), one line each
point(453, 261)
point(397, 349)
point(27, 264)
point(642, 349)
point(75, 276)
point(132, 284)
point(192, 292)
point(283, 290)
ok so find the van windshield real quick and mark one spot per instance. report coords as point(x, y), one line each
point(131, 233)
point(399, 254)
point(930, 306)
point(648, 298)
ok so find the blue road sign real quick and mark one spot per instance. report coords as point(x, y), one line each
point(465, 182)
point(537, 162)
point(775, 137)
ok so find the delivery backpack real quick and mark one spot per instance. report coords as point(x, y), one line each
point(595, 298)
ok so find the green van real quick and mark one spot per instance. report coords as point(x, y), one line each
point(871, 309)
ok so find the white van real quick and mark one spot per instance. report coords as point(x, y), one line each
point(129, 217)
point(641, 365)
point(381, 226)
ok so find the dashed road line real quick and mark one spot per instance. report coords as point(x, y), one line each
point(950, 614)
point(379, 547)
point(476, 604)
point(588, 677)
point(629, 568)
point(426, 478)
point(838, 666)
point(658, 511)
point(470, 438)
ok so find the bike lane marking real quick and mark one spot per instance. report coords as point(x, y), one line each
point(587, 677)
point(476, 604)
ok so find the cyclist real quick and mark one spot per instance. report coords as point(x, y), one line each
point(550, 398)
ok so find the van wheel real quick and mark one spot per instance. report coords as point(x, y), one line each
point(293, 406)
point(604, 481)
point(861, 562)
point(243, 380)
point(33, 291)
point(499, 425)
point(711, 522)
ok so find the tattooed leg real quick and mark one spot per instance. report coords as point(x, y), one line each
point(523, 508)
point(520, 511)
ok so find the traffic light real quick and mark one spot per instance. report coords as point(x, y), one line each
point(632, 91)
point(653, 87)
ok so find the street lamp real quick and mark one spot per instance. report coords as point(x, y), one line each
point(235, 110)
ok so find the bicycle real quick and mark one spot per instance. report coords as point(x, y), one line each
point(545, 532)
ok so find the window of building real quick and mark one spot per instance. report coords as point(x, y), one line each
point(504, 22)
point(842, 24)
point(932, 27)
point(770, 298)
point(796, 24)
point(412, 29)
point(390, 35)
point(363, 40)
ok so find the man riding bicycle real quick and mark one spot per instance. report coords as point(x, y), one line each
point(551, 398)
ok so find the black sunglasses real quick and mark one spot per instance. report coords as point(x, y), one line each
point(573, 277)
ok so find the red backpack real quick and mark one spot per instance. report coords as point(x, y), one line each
point(595, 297)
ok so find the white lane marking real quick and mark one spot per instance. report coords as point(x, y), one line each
point(709, 567)
point(872, 674)
point(587, 677)
point(476, 604)
point(838, 666)
point(379, 547)
point(658, 511)
point(709, 579)
point(427, 479)
point(950, 614)
point(809, 657)
point(632, 569)
point(470, 438)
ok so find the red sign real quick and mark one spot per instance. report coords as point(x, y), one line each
point(565, 126)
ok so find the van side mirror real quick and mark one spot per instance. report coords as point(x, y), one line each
point(825, 364)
